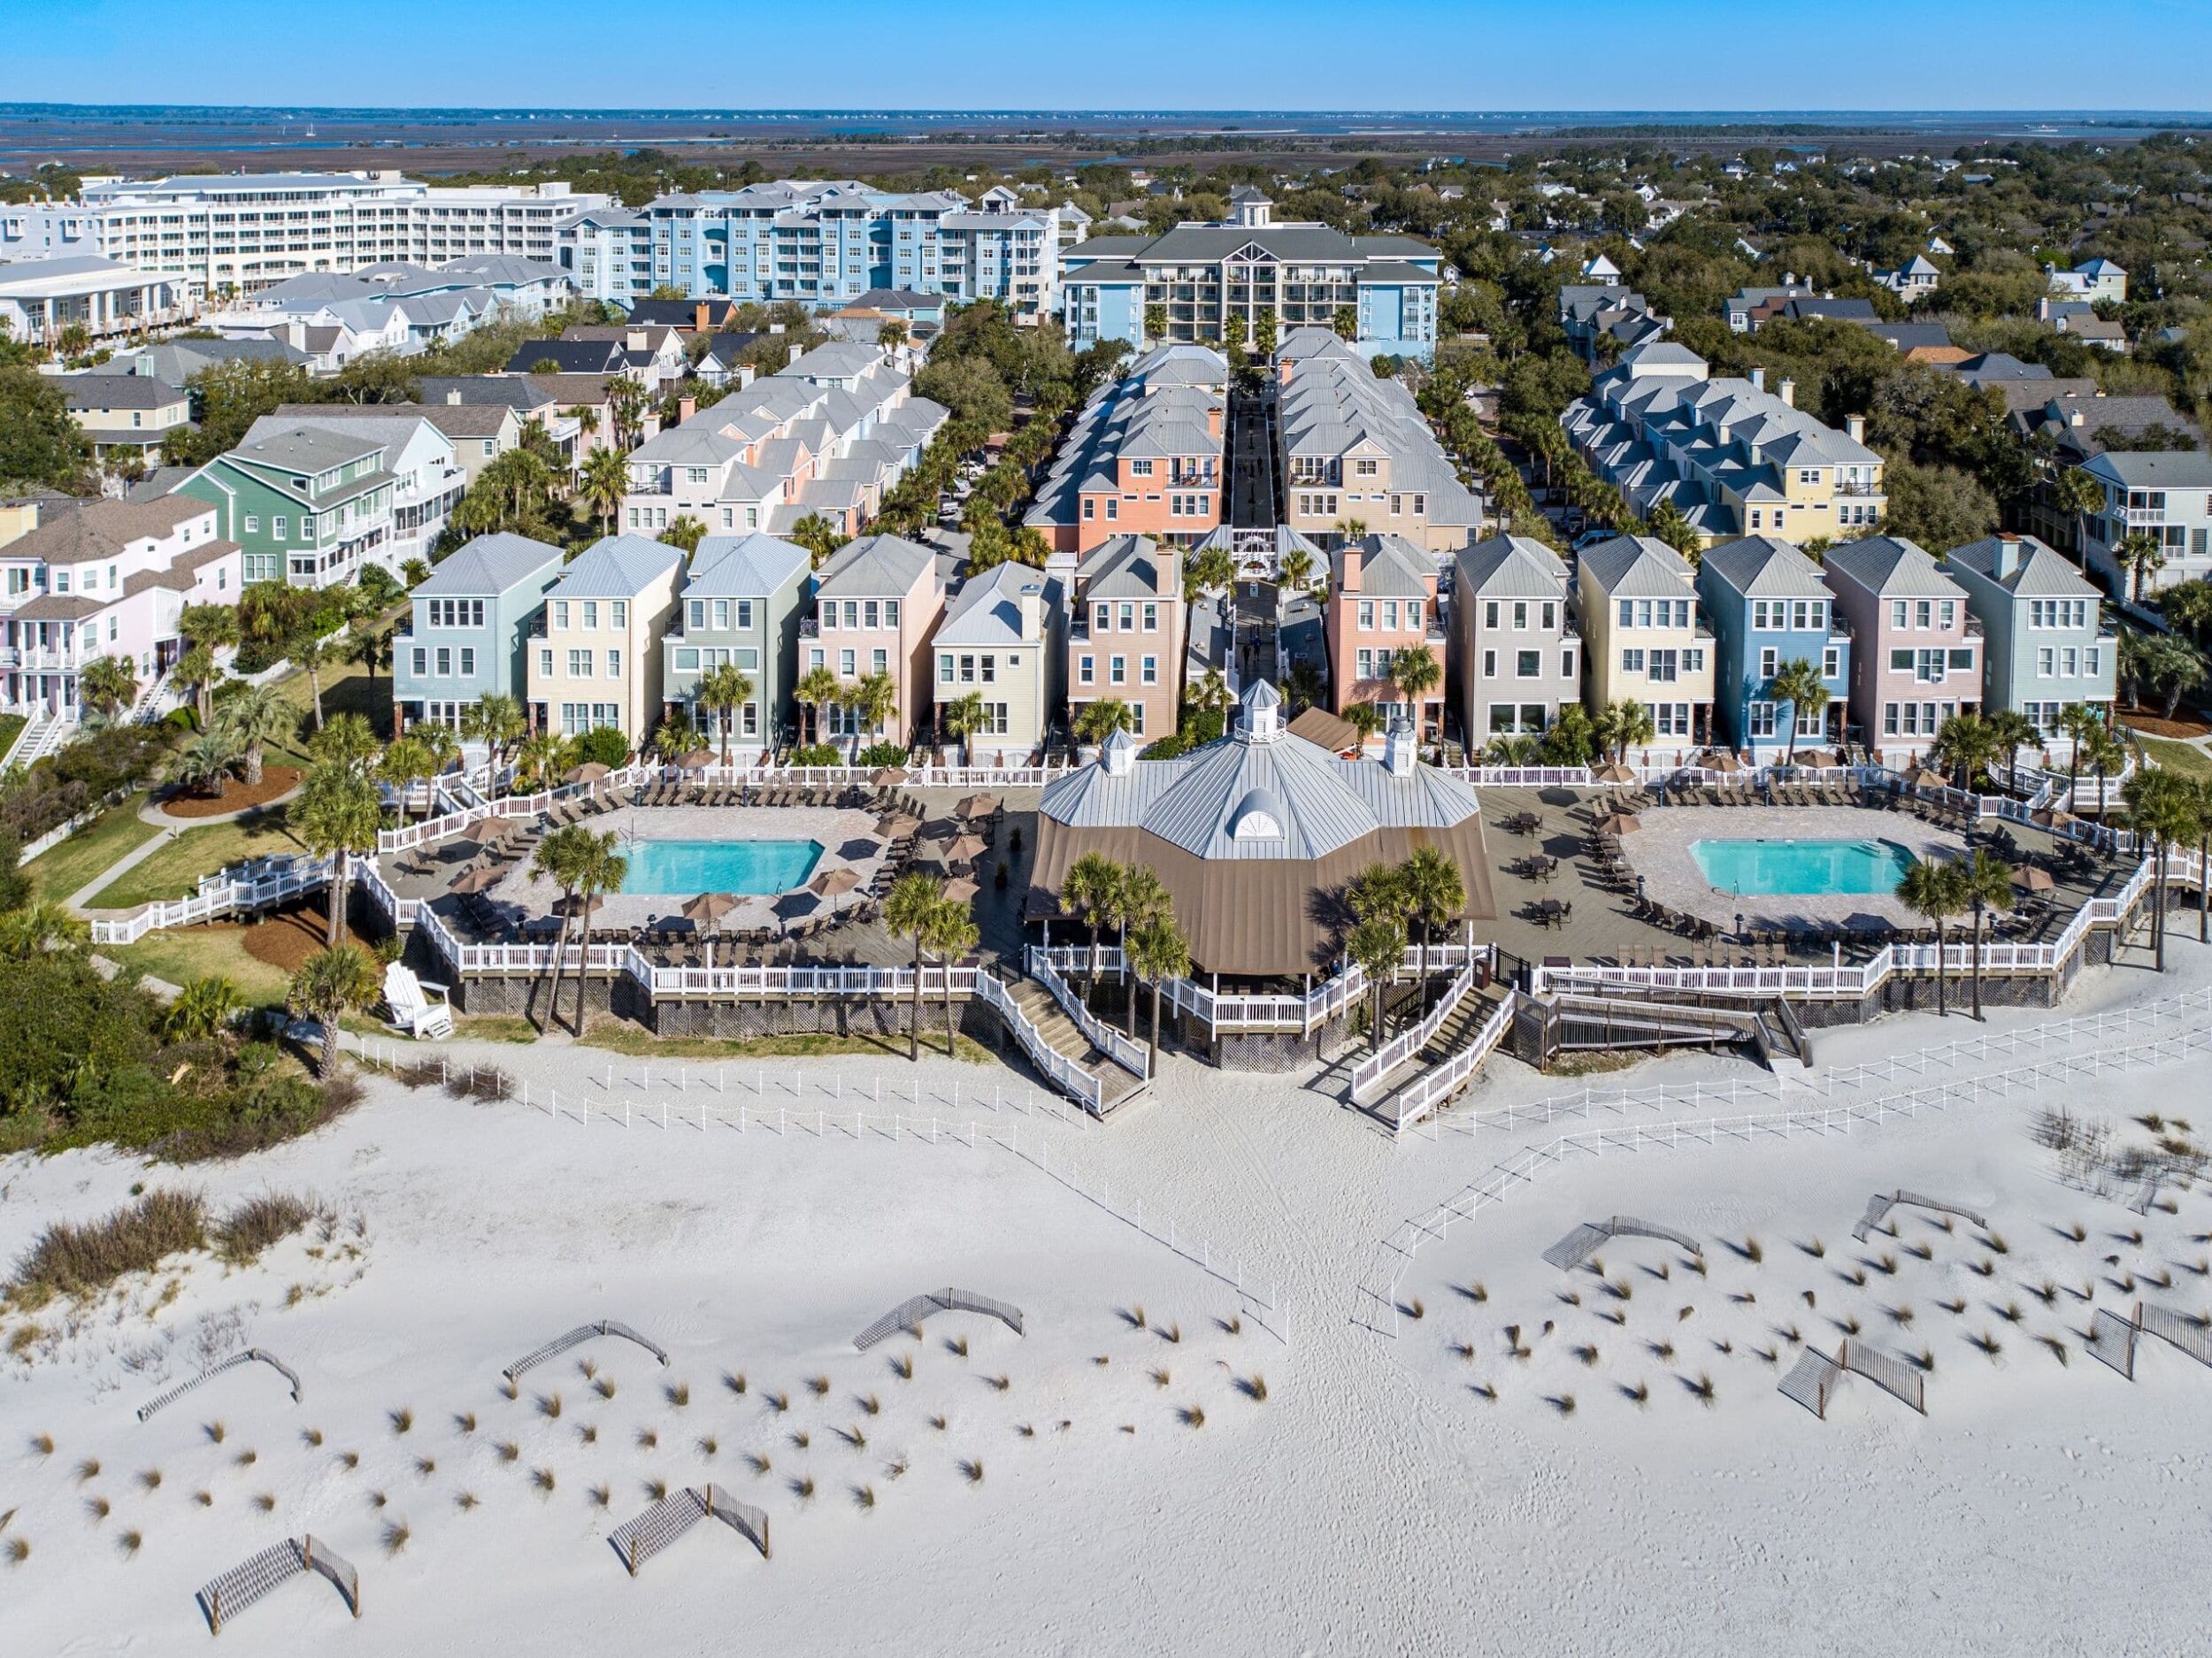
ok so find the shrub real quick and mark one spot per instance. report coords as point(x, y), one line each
point(881, 753)
point(81, 1260)
point(602, 745)
point(816, 754)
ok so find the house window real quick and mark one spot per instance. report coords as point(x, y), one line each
point(591, 614)
point(614, 664)
point(1085, 673)
point(545, 662)
point(1760, 718)
point(1118, 670)
point(1831, 662)
point(1631, 661)
point(468, 661)
point(445, 660)
point(1770, 662)
point(944, 668)
point(420, 661)
point(579, 664)
point(1528, 664)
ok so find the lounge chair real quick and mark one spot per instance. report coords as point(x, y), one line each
point(411, 1009)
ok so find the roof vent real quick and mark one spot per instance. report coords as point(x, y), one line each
point(1263, 714)
point(1400, 747)
point(1119, 755)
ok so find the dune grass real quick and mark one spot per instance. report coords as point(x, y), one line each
point(78, 1261)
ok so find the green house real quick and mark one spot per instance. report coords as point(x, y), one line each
point(307, 505)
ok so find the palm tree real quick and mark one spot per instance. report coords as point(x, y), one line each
point(1799, 685)
point(1377, 944)
point(1087, 890)
point(1965, 744)
point(1304, 686)
point(441, 742)
point(1415, 671)
point(2200, 803)
point(1156, 321)
point(891, 335)
point(541, 758)
point(256, 718)
point(963, 717)
point(951, 935)
point(202, 1009)
point(819, 688)
point(330, 984)
point(1434, 893)
point(107, 686)
point(213, 626)
point(310, 654)
point(41, 928)
point(346, 741)
point(2138, 553)
point(1297, 568)
point(1622, 725)
point(371, 649)
point(1095, 722)
point(1937, 891)
point(725, 690)
point(605, 481)
point(2161, 810)
point(206, 762)
point(684, 532)
point(625, 403)
point(1158, 953)
point(818, 536)
point(1985, 882)
point(1349, 530)
point(1140, 898)
point(2103, 753)
point(407, 761)
point(910, 909)
point(603, 870)
point(1366, 718)
point(494, 719)
point(561, 857)
point(2076, 721)
point(2012, 731)
point(337, 815)
point(873, 701)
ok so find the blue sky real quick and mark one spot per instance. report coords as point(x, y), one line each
point(1177, 54)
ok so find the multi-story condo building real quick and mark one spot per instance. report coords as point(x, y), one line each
point(876, 604)
point(595, 648)
point(468, 634)
point(1519, 644)
point(1195, 277)
point(1126, 630)
point(1144, 457)
point(2163, 493)
point(238, 232)
point(1735, 458)
point(1382, 601)
point(1770, 609)
point(40, 298)
point(427, 478)
point(2047, 646)
point(1003, 639)
point(308, 504)
point(1917, 657)
point(1355, 449)
point(821, 243)
point(1647, 642)
point(830, 434)
point(104, 579)
point(741, 605)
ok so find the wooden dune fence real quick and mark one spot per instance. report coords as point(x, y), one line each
point(2113, 1339)
point(576, 1338)
point(1587, 1239)
point(246, 1583)
point(909, 1314)
point(1812, 1382)
point(1878, 1206)
point(638, 1540)
point(251, 1355)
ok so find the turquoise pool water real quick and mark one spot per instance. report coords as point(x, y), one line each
point(1801, 866)
point(691, 867)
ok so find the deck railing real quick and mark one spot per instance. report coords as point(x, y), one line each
point(1426, 1091)
point(1371, 1072)
point(1084, 1087)
point(1130, 1056)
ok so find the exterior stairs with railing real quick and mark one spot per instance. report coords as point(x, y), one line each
point(1063, 1036)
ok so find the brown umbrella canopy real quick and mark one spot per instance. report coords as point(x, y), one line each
point(568, 906)
point(888, 777)
point(2029, 878)
point(2052, 818)
point(709, 907)
point(903, 824)
point(978, 806)
point(697, 760)
point(590, 772)
point(965, 848)
point(960, 892)
point(479, 880)
point(1613, 773)
point(829, 883)
point(1616, 823)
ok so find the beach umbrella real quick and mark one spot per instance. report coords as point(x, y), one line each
point(2029, 878)
point(697, 760)
point(479, 880)
point(888, 777)
point(709, 907)
point(590, 772)
point(1924, 777)
point(965, 848)
point(1723, 762)
point(960, 892)
point(1612, 773)
point(793, 905)
point(1615, 823)
point(833, 882)
point(978, 806)
point(903, 824)
point(567, 906)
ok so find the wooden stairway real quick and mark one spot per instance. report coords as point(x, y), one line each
point(1061, 1036)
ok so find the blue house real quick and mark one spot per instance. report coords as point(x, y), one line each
point(465, 637)
point(1769, 608)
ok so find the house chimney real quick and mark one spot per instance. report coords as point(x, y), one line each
point(687, 406)
point(1758, 380)
point(1789, 391)
point(1855, 426)
point(1031, 601)
point(699, 316)
point(453, 396)
point(2008, 558)
point(1400, 747)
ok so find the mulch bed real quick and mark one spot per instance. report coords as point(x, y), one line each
point(2152, 722)
point(287, 938)
point(275, 780)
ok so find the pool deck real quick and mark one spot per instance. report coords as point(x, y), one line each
point(1660, 852)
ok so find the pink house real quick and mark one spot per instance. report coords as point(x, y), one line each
point(1916, 652)
point(1382, 599)
point(876, 604)
point(104, 579)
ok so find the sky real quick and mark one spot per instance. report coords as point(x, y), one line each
point(1500, 55)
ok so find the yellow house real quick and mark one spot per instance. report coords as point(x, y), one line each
point(596, 658)
point(1643, 638)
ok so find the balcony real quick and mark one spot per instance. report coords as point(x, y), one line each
point(1855, 487)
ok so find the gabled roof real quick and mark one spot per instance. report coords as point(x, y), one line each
point(1129, 567)
point(1390, 567)
point(2155, 469)
point(1636, 566)
point(744, 566)
point(101, 529)
point(1509, 566)
point(2036, 571)
point(1892, 567)
point(489, 566)
point(1766, 567)
point(117, 391)
point(617, 567)
point(988, 610)
point(883, 565)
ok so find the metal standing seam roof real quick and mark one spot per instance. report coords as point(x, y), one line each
point(988, 610)
point(1509, 566)
point(875, 565)
point(744, 566)
point(1892, 567)
point(1766, 567)
point(617, 567)
point(489, 566)
point(2040, 572)
point(1636, 567)
point(1130, 566)
point(1391, 567)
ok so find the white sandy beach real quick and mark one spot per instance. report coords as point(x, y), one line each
point(1376, 1501)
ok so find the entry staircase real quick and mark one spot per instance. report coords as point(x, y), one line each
point(1063, 1037)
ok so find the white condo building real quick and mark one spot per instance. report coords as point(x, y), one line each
point(245, 231)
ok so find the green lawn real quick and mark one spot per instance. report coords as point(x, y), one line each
point(184, 953)
point(174, 872)
point(62, 869)
point(346, 690)
point(2176, 756)
point(10, 726)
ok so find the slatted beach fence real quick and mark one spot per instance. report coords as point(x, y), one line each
point(1813, 1380)
point(1587, 1239)
point(576, 1338)
point(2192, 1335)
point(638, 1540)
point(247, 1582)
point(1878, 1206)
point(909, 1314)
point(250, 1355)
point(2112, 1340)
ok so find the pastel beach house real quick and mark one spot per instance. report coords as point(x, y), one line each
point(596, 655)
point(876, 604)
point(1918, 655)
point(1647, 642)
point(1770, 609)
point(740, 606)
point(1382, 602)
point(1003, 641)
point(2048, 646)
point(1516, 639)
point(467, 634)
point(1126, 630)
point(306, 503)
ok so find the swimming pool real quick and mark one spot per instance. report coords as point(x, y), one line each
point(690, 867)
point(1801, 867)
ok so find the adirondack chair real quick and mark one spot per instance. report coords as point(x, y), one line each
point(413, 1010)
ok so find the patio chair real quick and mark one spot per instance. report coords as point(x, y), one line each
point(411, 1009)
